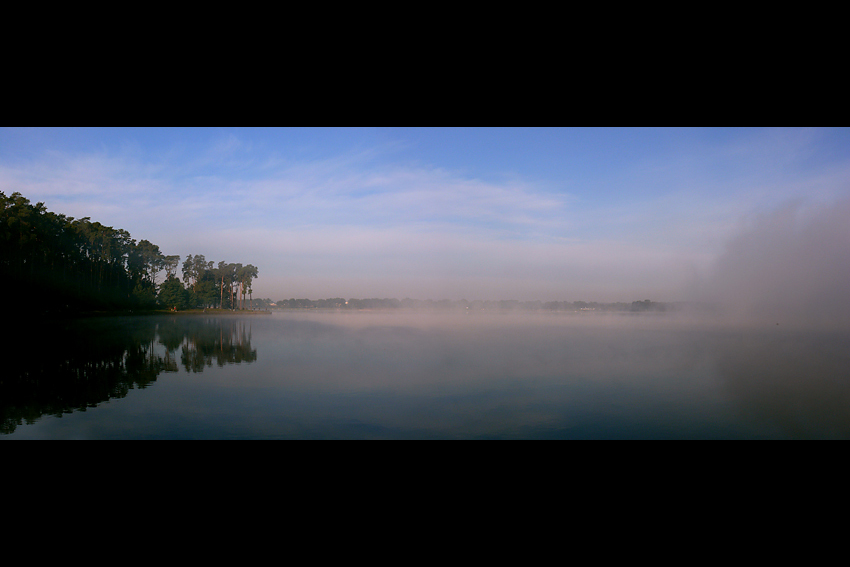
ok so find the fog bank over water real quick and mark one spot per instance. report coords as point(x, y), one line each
point(515, 374)
point(791, 266)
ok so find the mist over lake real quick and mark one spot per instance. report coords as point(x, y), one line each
point(425, 375)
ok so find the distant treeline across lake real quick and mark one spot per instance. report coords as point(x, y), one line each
point(463, 304)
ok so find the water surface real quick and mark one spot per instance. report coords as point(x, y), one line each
point(422, 375)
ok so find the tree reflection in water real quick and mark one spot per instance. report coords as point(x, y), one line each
point(203, 342)
point(72, 365)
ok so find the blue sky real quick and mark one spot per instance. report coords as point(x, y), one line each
point(482, 213)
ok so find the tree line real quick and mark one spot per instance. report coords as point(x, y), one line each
point(65, 264)
point(225, 286)
point(463, 304)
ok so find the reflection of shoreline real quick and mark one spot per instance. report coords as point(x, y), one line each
point(83, 315)
point(210, 342)
point(74, 365)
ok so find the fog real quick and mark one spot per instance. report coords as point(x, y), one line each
point(789, 266)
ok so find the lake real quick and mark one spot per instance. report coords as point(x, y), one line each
point(423, 375)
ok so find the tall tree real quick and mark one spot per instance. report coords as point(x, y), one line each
point(233, 278)
point(189, 275)
point(245, 276)
point(170, 264)
point(222, 273)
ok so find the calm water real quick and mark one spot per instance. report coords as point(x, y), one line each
point(397, 375)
